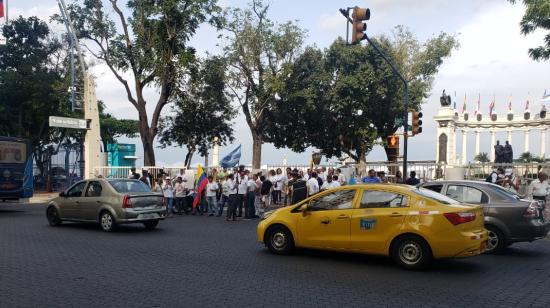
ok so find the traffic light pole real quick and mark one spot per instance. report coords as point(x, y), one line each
point(345, 12)
point(405, 103)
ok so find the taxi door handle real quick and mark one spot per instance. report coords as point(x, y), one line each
point(325, 221)
point(395, 214)
point(343, 216)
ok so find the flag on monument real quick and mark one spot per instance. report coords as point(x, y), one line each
point(545, 97)
point(527, 105)
point(464, 105)
point(478, 103)
point(510, 106)
point(232, 159)
point(1, 8)
point(491, 107)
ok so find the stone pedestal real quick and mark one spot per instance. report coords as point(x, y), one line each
point(446, 136)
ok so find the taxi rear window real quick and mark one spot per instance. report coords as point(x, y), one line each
point(434, 196)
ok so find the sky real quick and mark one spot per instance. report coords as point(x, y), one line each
point(492, 61)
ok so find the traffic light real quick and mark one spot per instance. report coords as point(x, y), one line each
point(416, 126)
point(359, 27)
point(392, 147)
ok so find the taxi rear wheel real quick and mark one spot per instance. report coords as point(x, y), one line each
point(411, 252)
point(53, 217)
point(279, 240)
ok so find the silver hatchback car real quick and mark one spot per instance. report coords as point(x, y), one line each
point(109, 202)
point(508, 219)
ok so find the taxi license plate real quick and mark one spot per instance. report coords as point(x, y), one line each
point(148, 216)
point(483, 246)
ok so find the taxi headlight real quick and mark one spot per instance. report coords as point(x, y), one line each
point(267, 214)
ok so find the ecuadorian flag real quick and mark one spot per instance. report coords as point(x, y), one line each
point(200, 184)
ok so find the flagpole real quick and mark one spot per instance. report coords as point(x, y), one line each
point(7, 10)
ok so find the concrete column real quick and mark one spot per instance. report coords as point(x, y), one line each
point(477, 142)
point(526, 141)
point(92, 139)
point(543, 143)
point(464, 144)
point(493, 142)
point(216, 153)
point(509, 137)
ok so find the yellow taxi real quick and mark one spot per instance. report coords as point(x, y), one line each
point(412, 225)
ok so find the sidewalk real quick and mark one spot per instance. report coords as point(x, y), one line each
point(42, 197)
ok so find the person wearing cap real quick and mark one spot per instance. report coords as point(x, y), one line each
point(168, 192)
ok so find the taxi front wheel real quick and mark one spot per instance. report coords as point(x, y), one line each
point(279, 240)
point(411, 252)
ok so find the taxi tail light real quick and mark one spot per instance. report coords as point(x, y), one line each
point(533, 210)
point(460, 218)
point(126, 202)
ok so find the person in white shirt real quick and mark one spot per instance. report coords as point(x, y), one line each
point(180, 193)
point(312, 185)
point(225, 194)
point(168, 192)
point(231, 189)
point(242, 182)
point(211, 189)
point(539, 189)
point(250, 210)
point(329, 183)
point(341, 177)
point(278, 185)
point(322, 174)
point(273, 179)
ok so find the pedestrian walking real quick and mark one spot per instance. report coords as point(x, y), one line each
point(539, 189)
point(180, 193)
point(299, 189)
point(168, 191)
point(232, 193)
point(312, 185)
point(412, 180)
point(226, 188)
point(242, 184)
point(133, 174)
point(250, 210)
point(211, 189)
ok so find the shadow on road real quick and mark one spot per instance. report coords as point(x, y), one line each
point(122, 229)
point(454, 266)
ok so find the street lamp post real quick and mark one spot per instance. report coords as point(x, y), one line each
point(345, 12)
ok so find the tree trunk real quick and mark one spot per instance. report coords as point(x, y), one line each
point(257, 142)
point(147, 138)
point(148, 151)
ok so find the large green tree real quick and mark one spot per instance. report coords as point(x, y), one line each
point(261, 53)
point(151, 46)
point(31, 83)
point(537, 16)
point(202, 111)
point(113, 128)
point(343, 99)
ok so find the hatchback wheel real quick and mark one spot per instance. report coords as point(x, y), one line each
point(53, 217)
point(279, 240)
point(411, 252)
point(150, 225)
point(495, 241)
point(107, 221)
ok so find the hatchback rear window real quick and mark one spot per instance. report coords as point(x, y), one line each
point(126, 186)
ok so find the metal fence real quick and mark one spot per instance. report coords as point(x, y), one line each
point(527, 171)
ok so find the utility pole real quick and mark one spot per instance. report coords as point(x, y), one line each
point(92, 139)
point(358, 28)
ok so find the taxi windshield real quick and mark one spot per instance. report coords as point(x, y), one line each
point(430, 194)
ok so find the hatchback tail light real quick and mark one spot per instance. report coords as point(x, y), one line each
point(126, 202)
point(533, 210)
point(460, 218)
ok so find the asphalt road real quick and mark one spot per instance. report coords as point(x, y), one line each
point(193, 261)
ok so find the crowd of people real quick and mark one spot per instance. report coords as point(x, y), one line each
point(242, 192)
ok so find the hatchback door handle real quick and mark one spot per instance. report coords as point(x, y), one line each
point(395, 214)
point(343, 216)
point(325, 221)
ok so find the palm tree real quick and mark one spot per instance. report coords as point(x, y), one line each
point(526, 157)
point(482, 158)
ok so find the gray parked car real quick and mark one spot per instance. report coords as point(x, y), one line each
point(508, 219)
point(109, 202)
